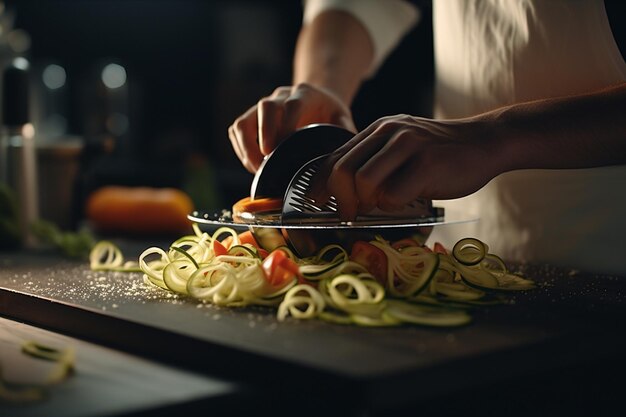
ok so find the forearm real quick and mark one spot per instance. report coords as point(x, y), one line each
point(334, 52)
point(581, 131)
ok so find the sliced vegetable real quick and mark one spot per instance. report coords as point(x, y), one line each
point(258, 205)
point(469, 251)
point(372, 258)
point(63, 366)
point(428, 316)
point(439, 248)
point(279, 269)
point(301, 302)
point(431, 287)
point(218, 248)
point(247, 238)
point(106, 256)
point(269, 238)
point(244, 237)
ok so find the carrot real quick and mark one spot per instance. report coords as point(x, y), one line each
point(139, 210)
point(259, 205)
point(244, 237)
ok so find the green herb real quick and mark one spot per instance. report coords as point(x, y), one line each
point(72, 244)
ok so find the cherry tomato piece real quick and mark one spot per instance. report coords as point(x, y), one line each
point(372, 258)
point(279, 269)
point(218, 248)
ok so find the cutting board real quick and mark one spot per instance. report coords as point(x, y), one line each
point(570, 317)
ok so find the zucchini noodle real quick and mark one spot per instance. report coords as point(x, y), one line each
point(419, 287)
point(63, 367)
point(106, 256)
point(302, 302)
point(191, 267)
point(409, 270)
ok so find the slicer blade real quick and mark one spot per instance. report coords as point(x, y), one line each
point(277, 169)
point(300, 208)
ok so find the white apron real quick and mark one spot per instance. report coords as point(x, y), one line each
point(490, 53)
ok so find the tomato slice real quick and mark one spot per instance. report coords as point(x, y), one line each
point(439, 248)
point(244, 237)
point(227, 242)
point(218, 248)
point(258, 205)
point(372, 258)
point(279, 269)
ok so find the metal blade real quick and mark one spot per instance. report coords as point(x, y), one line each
point(300, 208)
point(277, 169)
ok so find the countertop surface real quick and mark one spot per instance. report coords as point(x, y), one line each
point(570, 318)
point(104, 381)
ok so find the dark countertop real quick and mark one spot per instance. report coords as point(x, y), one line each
point(569, 329)
point(104, 382)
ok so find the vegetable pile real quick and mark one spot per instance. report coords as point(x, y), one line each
point(379, 283)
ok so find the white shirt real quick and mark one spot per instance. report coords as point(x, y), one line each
point(490, 53)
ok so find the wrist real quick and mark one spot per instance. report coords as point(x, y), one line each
point(502, 139)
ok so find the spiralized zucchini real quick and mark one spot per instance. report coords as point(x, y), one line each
point(62, 360)
point(420, 286)
point(106, 256)
point(190, 267)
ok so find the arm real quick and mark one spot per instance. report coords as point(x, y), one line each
point(333, 52)
point(341, 43)
point(582, 131)
point(332, 56)
point(400, 158)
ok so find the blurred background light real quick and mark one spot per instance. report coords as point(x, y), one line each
point(19, 40)
point(21, 63)
point(54, 76)
point(113, 76)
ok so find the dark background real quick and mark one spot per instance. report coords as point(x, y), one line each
point(192, 67)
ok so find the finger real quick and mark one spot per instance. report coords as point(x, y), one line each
point(270, 114)
point(245, 130)
point(341, 184)
point(341, 181)
point(375, 172)
point(293, 107)
point(365, 188)
point(235, 143)
point(403, 186)
point(319, 190)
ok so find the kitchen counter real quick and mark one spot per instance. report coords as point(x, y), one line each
point(104, 381)
point(569, 329)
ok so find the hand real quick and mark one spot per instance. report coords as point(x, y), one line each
point(260, 129)
point(400, 158)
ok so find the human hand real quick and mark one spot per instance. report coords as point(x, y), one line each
point(401, 158)
point(262, 127)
